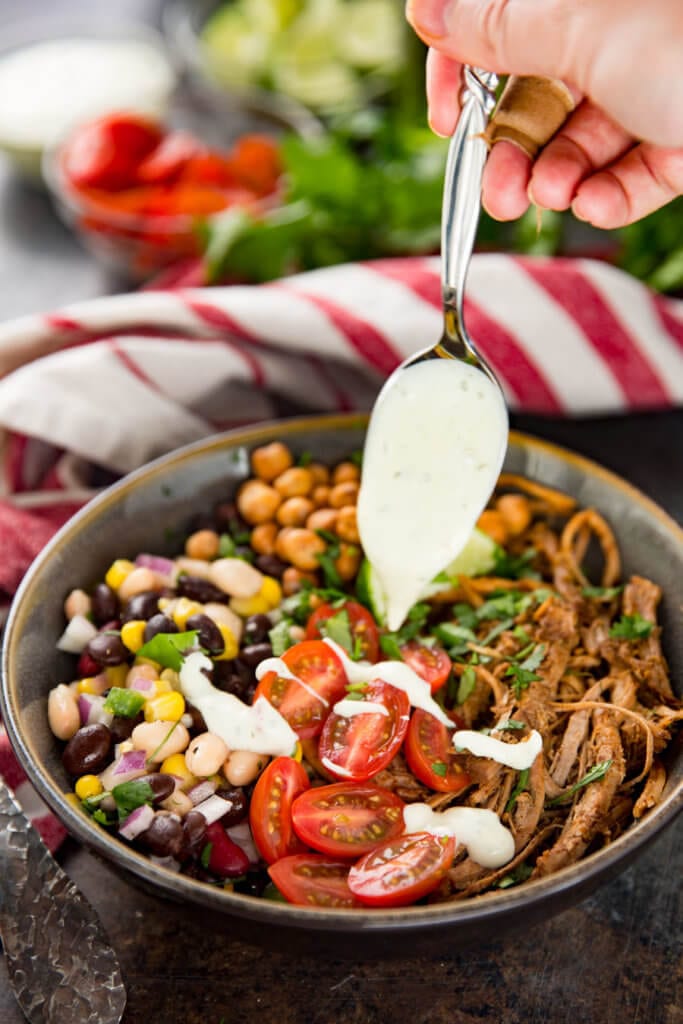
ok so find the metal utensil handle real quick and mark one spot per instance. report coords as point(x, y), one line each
point(62, 968)
point(462, 185)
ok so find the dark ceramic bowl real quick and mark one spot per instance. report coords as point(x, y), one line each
point(150, 510)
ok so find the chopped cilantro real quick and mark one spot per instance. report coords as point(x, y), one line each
point(451, 634)
point(338, 628)
point(514, 567)
point(524, 673)
point(465, 615)
point(356, 457)
point(510, 726)
point(440, 768)
point(594, 774)
point(390, 646)
point(123, 703)
point(206, 856)
point(329, 537)
point(601, 593)
point(414, 624)
point(468, 680)
point(226, 546)
point(305, 459)
point(521, 634)
point(535, 658)
point(501, 627)
point(280, 637)
point(522, 783)
point(168, 648)
point(631, 627)
point(354, 695)
point(326, 562)
point(520, 874)
point(507, 605)
point(102, 817)
point(130, 795)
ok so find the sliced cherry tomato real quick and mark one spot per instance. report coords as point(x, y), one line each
point(106, 153)
point(305, 701)
point(255, 162)
point(347, 819)
point(210, 169)
point(226, 859)
point(169, 158)
point(311, 880)
point(364, 632)
point(401, 871)
point(270, 812)
point(429, 752)
point(431, 663)
point(358, 746)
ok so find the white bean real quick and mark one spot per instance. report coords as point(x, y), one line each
point(77, 603)
point(243, 766)
point(138, 581)
point(205, 754)
point(235, 577)
point(192, 566)
point(62, 712)
point(160, 739)
point(178, 802)
point(224, 616)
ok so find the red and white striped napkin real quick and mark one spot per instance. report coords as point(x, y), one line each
point(119, 380)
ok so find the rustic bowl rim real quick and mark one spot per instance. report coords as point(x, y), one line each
point(478, 910)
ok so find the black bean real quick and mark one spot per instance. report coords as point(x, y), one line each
point(253, 883)
point(210, 636)
point(107, 648)
point(159, 624)
point(87, 752)
point(164, 837)
point(256, 629)
point(162, 785)
point(194, 830)
point(255, 654)
point(197, 589)
point(141, 607)
point(198, 723)
point(227, 678)
point(104, 604)
point(121, 728)
point(238, 811)
point(271, 565)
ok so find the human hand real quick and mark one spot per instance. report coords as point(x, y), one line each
point(619, 156)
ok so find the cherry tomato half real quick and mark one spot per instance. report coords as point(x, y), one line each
point(255, 162)
point(429, 752)
point(359, 746)
point(105, 153)
point(347, 819)
point(270, 812)
point(431, 663)
point(311, 880)
point(401, 871)
point(169, 158)
point(305, 701)
point(364, 632)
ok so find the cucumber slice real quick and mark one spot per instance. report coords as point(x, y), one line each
point(371, 35)
point(237, 51)
point(369, 591)
point(477, 558)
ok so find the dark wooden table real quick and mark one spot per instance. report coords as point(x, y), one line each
point(613, 959)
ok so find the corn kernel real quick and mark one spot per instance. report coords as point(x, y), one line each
point(88, 785)
point(117, 572)
point(164, 602)
point(271, 591)
point(147, 661)
point(246, 606)
point(72, 799)
point(132, 634)
point(176, 765)
point(170, 676)
point(161, 686)
point(92, 684)
point(169, 707)
point(116, 675)
point(231, 647)
point(185, 608)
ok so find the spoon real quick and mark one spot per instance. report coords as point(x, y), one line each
point(61, 966)
point(438, 432)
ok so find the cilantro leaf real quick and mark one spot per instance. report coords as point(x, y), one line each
point(468, 680)
point(631, 627)
point(102, 817)
point(280, 637)
point(130, 795)
point(226, 546)
point(465, 615)
point(594, 774)
point(305, 459)
point(168, 648)
point(123, 703)
point(326, 562)
point(338, 628)
point(514, 567)
point(512, 725)
point(520, 874)
point(440, 768)
point(521, 785)
point(601, 593)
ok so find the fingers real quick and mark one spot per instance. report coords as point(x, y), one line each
point(506, 178)
point(646, 178)
point(444, 83)
point(588, 141)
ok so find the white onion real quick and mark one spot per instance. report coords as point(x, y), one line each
point(137, 821)
point(77, 635)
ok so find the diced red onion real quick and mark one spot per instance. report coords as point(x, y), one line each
point(142, 684)
point(213, 808)
point(241, 836)
point(77, 635)
point(202, 791)
point(91, 710)
point(137, 821)
point(129, 766)
point(164, 566)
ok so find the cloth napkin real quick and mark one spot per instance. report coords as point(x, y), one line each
point(98, 388)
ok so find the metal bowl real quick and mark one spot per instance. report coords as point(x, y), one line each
point(152, 508)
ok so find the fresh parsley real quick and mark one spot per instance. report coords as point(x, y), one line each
point(123, 703)
point(631, 627)
point(130, 795)
point(597, 772)
point(168, 648)
point(524, 673)
point(521, 785)
point(338, 628)
point(514, 567)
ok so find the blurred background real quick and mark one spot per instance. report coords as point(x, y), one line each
point(260, 137)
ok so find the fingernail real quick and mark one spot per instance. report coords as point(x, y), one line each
point(428, 17)
point(577, 213)
point(530, 193)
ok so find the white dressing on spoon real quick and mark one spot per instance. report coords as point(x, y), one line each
point(488, 842)
point(434, 449)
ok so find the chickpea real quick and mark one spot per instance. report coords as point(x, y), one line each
point(263, 537)
point(77, 603)
point(344, 494)
point(271, 460)
point(293, 579)
point(62, 712)
point(319, 472)
point(294, 511)
point(257, 502)
point(243, 766)
point(347, 526)
point(321, 496)
point(296, 482)
point(345, 471)
point(491, 522)
point(204, 545)
point(348, 562)
point(323, 519)
point(139, 581)
point(301, 547)
point(516, 513)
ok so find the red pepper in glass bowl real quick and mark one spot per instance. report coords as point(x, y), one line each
point(137, 193)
